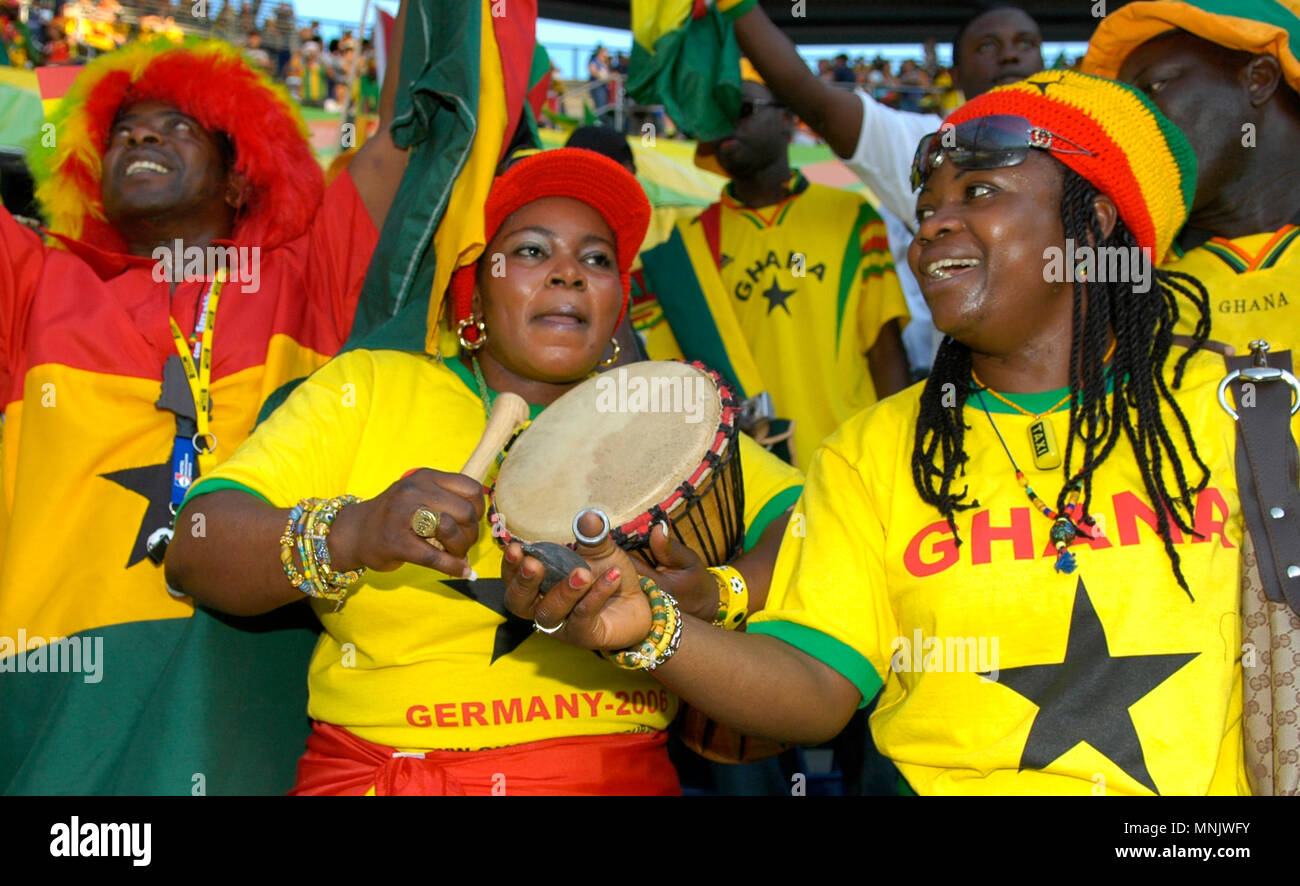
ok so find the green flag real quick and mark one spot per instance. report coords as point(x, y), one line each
point(687, 60)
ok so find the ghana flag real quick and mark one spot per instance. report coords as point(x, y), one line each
point(685, 57)
point(460, 104)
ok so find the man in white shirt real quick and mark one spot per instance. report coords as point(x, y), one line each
point(999, 45)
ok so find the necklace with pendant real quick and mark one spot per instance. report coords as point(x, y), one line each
point(1067, 524)
point(1042, 439)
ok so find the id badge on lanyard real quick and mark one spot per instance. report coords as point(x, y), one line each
point(186, 393)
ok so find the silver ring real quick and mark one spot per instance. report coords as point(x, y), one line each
point(604, 524)
point(547, 630)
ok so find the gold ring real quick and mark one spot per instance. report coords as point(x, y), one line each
point(424, 523)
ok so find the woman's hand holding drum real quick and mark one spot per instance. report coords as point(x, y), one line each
point(681, 573)
point(600, 607)
point(378, 533)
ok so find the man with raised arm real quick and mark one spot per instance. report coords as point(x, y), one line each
point(999, 45)
point(195, 262)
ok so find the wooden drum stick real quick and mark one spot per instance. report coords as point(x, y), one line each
point(508, 413)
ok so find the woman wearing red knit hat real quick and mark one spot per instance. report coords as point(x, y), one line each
point(1034, 556)
point(422, 682)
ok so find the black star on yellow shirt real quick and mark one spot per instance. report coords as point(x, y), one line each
point(491, 593)
point(1086, 697)
point(776, 296)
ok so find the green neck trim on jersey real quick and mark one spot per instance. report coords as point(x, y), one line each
point(1036, 402)
point(467, 376)
point(795, 186)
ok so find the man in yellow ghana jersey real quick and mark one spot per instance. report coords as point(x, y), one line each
point(1084, 642)
point(1227, 74)
point(796, 279)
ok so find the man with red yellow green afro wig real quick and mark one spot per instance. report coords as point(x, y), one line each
point(194, 263)
point(274, 183)
point(1227, 73)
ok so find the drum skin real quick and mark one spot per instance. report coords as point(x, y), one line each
point(647, 442)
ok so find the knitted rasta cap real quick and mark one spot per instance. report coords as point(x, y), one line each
point(1141, 161)
point(584, 175)
point(1260, 27)
point(209, 81)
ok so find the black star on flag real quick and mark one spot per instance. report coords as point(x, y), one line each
point(1086, 698)
point(491, 593)
point(154, 482)
point(1043, 84)
point(776, 296)
point(723, 260)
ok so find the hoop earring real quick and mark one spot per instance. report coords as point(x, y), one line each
point(479, 340)
point(613, 358)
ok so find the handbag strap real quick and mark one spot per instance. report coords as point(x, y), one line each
point(1268, 465)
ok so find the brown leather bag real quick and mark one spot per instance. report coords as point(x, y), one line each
point(1268, 480)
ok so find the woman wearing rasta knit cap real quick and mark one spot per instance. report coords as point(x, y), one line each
point(1034, 555)
point(421, 682)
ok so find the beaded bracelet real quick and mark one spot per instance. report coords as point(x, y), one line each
point(733, 597)
point(664, 637)
point(297, 579)
point(307, 531)
point(322, 519)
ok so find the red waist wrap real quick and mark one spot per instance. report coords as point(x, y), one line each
point(340, 763)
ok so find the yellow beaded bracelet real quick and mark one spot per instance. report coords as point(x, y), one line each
point(664, 637)
point(733, 597)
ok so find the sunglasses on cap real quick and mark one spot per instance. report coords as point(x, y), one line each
point(992, 142)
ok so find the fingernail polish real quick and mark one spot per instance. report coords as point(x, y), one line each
point(575, 582)
point(613, 575)
point(471, 574)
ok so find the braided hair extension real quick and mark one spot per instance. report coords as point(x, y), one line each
point(1143, 327)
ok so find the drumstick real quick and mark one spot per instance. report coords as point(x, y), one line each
point(508, 413)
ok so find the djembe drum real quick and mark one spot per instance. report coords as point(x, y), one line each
point(648, 443)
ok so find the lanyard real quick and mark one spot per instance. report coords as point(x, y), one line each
point(200, 377)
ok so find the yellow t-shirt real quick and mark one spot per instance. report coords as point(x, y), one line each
point(811, 281)
point(1254, 286)
point(1110, 679)
point(413, 659)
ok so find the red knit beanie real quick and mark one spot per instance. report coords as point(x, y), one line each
point(584, 175)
